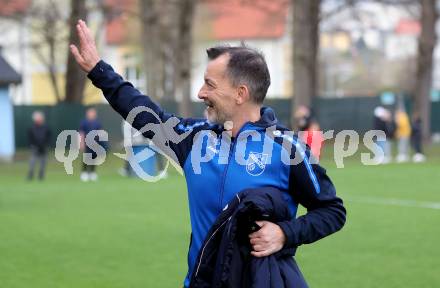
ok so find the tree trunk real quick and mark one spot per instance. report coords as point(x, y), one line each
point(51, 64)
point(169, 25)
point(184, 59)
point(151, 47)
point(427, 41)
point(75, 77)
point(305, 51)
point(54, 83)
point(167, 47)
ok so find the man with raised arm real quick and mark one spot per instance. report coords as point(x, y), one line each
point(241, 145)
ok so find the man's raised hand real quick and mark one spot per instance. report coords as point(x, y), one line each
point(87, 54)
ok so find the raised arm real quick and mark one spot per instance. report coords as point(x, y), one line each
point(170, 134)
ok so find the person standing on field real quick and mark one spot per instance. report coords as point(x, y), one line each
point(89, 124)
point(403, 134)
point(39, 139)
point(218, 158)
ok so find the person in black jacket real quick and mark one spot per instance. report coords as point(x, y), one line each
point(39, 138)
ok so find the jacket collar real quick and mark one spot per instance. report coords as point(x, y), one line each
point(267, 118)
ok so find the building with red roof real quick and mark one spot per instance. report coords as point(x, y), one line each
point(261, 24)
point(14, 7)
point(402, 43)
point(235, 19)
point(408, 27)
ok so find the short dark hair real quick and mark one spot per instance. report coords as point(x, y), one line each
point(246, 66)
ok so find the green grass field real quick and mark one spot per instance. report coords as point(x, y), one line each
point(124, 233)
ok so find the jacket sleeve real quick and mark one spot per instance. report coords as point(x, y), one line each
point(311, 187)
point(123, 97)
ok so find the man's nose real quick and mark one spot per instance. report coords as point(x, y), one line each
point(202, 94)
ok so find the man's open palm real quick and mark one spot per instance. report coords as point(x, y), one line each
point(87, 54)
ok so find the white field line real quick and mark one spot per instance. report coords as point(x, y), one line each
point(393, 202)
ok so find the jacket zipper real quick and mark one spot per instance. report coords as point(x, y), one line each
point(231, 152)
point(207, 242)
point(213, 234)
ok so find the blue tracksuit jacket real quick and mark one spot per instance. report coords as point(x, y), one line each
point(217, 167)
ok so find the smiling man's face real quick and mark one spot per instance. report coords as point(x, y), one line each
point(218, 93)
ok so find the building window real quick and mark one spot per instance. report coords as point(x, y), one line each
point(133, 73)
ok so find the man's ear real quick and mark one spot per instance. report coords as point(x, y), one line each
point(242, 94)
